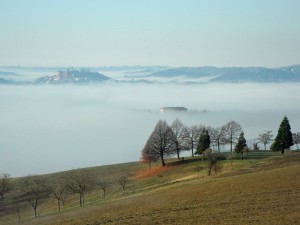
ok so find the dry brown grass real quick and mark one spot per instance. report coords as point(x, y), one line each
point(155, 171)
point(270, 194)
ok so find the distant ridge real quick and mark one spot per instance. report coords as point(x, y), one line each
point(234, 74)
point(158, 74)
point(72, 76)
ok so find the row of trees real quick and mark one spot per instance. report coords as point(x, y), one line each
point(34, 190)
point(166, 140)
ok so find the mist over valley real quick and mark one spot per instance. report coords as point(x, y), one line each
point(49, 128)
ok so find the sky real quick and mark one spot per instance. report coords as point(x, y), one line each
point(157, 32)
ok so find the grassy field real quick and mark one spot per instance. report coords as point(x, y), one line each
point(257, 190)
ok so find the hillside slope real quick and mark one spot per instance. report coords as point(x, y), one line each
point(267, 192)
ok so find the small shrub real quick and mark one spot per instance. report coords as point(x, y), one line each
point(231, 156)
point(220, 156)
point(198, 168)
point(218, 167)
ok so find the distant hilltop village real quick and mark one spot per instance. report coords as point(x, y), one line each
point(173, 109)
point(72, 76)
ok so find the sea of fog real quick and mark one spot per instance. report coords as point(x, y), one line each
point(45, 129)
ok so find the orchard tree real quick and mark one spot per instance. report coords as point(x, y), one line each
point(5, 184)
point(265, 138)
point(79, 182)
point(178, 137)
point(284, 138)
point(160, 143)
point(213, 163)
point(191, 136)
point(59, 192)
point(34, 190)
point(123, 181)
point(103, 186)
point(241, 145)
point(231, 131)
point(203, 143)
point(296, 139)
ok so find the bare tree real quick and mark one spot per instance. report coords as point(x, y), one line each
point(191, 136)
point(216, 136)
point(5, 184)
point(231, 131)
point(123, 181)
point(148, 155)
point(59, 192)
point(212, 161)
point(103, 186)
point(33, 191)
point(255, 146)
point(178, 137)
point(160, 142)
point(265, 138)
point(296, 139)
point(79, 182)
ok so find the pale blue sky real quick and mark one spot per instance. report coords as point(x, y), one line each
point(153, 32)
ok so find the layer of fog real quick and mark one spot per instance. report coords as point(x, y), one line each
point(46, 129)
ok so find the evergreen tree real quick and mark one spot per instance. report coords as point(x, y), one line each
point(203, 143)
point(284, 138)
point(241, 145)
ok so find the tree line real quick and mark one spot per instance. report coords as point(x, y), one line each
point(166, 140)
point(30, 191)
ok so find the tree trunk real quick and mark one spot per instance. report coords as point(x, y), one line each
point(81, 199)
point(35, 207)
point(282, 151)
point(19, 214)
point(192, 149)
point(162, 160)
point(209, 169)
point(242, 155)
point(265, 147)
point(231, 144)
point(58, 204)
point(178, 157)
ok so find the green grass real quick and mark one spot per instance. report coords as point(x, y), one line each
point(257, 190)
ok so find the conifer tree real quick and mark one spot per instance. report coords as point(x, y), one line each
point(203, 143)
point(241, 145)
point(284, 138)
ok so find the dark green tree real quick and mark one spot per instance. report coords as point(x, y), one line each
point(284, 138)
point(203, 143)
point(241, 145)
